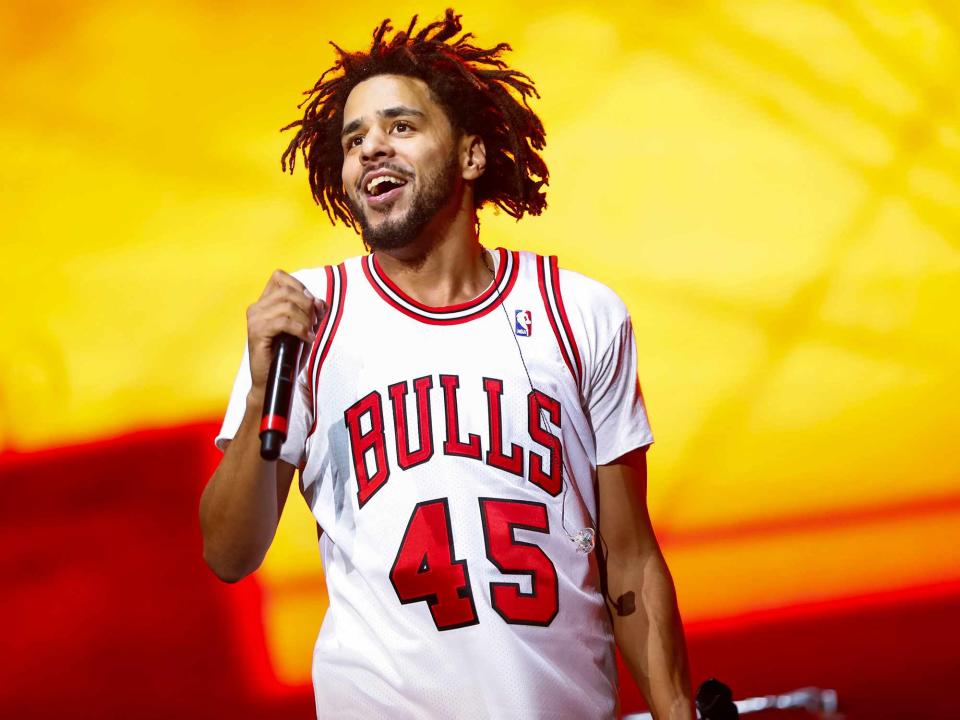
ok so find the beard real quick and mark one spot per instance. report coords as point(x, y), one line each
point(398, 233)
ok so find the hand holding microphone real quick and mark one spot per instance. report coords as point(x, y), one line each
point(285, 317)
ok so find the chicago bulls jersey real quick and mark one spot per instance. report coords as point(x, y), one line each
point(449, 456)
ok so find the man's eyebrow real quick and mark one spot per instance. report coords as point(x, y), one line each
point(399, 111)
point(392, 112)
point(350, 127)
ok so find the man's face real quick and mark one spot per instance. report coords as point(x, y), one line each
point(400, 159)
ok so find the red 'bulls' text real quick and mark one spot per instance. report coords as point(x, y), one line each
point(369, 446)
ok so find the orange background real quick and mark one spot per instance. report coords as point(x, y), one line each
point(773, 187)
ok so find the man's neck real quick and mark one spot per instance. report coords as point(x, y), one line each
point(446, 267)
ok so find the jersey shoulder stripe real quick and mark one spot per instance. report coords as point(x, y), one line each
point(548, 279)
point(335, 299)
point(564, 320)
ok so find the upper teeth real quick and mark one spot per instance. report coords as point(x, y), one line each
point(382, 179)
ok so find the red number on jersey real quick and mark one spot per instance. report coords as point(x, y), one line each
point(426, 571)
point(514, 557)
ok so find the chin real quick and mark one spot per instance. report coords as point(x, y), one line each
point(398, 231)
point(402, 227)
point(390, 233)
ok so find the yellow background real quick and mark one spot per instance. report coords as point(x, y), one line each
point(773, 187)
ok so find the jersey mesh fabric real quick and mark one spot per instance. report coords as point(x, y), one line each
point(377, 656)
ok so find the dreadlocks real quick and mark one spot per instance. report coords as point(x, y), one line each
point(473, 86)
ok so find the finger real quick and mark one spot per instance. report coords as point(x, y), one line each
point(283, 323)
point(273, 306)
point(280, 279)
point(262, 316)
point(291, 311)
point(287, 297)
point(292, 296)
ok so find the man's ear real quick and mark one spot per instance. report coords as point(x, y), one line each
point(474, 157)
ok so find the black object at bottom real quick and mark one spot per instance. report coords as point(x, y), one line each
point(270, 443)
point(278, 394)
point(715, 701)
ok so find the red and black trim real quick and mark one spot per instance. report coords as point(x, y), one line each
point(500, 518)
point(512, 463)
point(407, 458)
point(453, 445)
point(361, 442)
point(548, 278)
point(551, 479)
point(273, 422)
point(336, 295)
point(506, 276)
point(426, 568)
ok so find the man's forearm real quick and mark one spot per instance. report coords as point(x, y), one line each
point(240, 508)
point(650, 637)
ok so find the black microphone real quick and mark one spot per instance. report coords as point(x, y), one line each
point(715, 701)
point(278, 395)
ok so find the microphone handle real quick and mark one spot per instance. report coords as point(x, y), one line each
point(715, 701)
point(278, 395)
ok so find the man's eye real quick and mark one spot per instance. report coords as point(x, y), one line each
point(355, 141)
point(401, 127)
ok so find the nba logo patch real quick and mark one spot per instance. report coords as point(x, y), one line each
point(522, 323)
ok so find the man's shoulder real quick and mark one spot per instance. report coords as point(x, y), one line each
point(315, 279)
point(322, 269)
point(596, 312)
point(577, 289)
point(581, 305)
point(589, 293)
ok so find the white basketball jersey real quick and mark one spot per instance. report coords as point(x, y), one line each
point(449, 456)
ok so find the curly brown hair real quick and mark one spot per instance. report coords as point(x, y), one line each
point(473, 85)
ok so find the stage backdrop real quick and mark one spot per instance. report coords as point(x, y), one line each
point(772, 187)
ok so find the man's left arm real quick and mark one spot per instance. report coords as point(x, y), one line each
point(647, 625)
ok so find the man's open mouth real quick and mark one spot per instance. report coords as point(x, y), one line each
point(383, 185)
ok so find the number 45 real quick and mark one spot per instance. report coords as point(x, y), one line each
point(425, 569)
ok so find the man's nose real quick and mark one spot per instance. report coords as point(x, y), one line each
point(376, 143)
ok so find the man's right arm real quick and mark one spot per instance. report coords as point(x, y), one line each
point(242, 502)
point(241, 505)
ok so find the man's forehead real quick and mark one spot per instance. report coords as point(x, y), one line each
point(382, 92)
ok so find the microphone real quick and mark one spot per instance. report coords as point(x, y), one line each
point(715, 701)
point(278, 395)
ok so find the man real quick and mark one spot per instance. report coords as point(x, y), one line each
point(467, 421)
